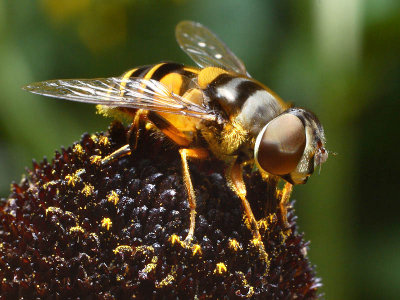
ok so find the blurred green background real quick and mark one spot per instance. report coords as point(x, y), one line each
point(339, 58)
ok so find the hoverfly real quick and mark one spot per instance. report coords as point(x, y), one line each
point(214, 109)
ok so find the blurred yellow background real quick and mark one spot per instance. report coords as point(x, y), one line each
point(340, 59)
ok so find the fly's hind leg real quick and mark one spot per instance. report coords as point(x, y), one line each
point(199, 153)
point(234, 177)
point(133, 133)
point(181, 139)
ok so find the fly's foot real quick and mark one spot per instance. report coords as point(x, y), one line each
point(121, 152)
point(187, 243)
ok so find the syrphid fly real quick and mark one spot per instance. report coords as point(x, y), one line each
point(213, 109)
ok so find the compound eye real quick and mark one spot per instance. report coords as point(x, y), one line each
point(281, 145)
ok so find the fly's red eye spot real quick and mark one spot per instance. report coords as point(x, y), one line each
point(282, 145)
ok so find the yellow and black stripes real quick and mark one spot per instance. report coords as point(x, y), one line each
point(168, 129)
point(174, 76)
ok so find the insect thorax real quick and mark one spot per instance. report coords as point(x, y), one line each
point(244, 101)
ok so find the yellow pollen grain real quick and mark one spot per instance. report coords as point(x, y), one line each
point(113, 197)
point(196, 249)
point(119, 278)
point(174, 239)
point(272, 218)
point(246, 222)
point(53, 182)
point(87, 190)
point(234, 245)
point(220, 268)
point(122, 248)
point(285, 234)
point(94, 138)
point(76, 229)
point(167, 280)
point(255, 242)
point(103, 140)
point(263, 224)
point(71, 215)
point(72, 179)
point(250, 293)
point(78, 149)
point(144, 249)
point(151, 266)
point(107, 223)
point(95, 160)
point(54, 209)
point(149, 126)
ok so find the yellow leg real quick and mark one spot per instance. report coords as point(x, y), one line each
point(199, 153)
point(234, 177)
point(134, 130)
point(284, 202)
point(236, 183)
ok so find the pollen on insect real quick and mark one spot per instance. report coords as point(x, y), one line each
point(107, 223)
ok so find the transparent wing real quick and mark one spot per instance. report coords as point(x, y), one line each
point(206, 49)
point(118, 92)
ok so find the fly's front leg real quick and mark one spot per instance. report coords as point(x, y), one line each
point(199, 153)
point(132, 133)
point(234, 176)
point(284, 202)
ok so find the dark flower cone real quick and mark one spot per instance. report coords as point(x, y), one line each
point(74, 229)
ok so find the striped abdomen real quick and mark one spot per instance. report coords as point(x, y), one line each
point(174, 76)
